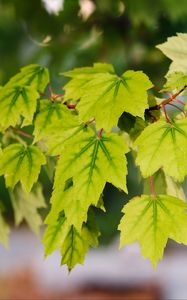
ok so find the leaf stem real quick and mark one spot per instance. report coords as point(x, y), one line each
point(100, 133)
point(182, 110)
point(22, 133)
point(152, 187)
point(172, 97)
point(167, 101)
point(165, 113)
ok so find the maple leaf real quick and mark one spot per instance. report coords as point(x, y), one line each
point(88, 162)
point(152, 221)
point(105, 96)
point(21, 163)
point(163, 145)
point(34, 75)
point(17, 101)
point(175, 81)
point(176, 49)
point(26, 207)
point(73, 244)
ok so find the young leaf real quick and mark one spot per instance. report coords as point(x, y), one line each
point(89, 161)
point(26, 207)
point(17, 101)
point(21, 163)
point(176, 49)
point(162, 144)
point(34, 75)
point(73, 243)
point(4, 231)
point(106, 96)
point(151, 222)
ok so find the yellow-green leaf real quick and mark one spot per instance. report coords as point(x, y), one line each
point(26, 207)
point(15, 102)
point(105, 96)
point(88, 162)
point(176, 49)
point(151, 222)
point(175, 81)
point(21, 163)
point(163, 145)
point(34, 75)
point(73, 244)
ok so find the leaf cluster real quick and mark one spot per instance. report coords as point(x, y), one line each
point(87, 132)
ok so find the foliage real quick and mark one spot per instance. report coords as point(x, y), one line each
point(86, 133)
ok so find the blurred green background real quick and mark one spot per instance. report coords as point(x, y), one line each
point(72, 33)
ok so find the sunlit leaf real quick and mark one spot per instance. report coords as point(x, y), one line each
point(152, 221)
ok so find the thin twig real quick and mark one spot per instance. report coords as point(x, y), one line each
point(179, 101)
point(165, 113)
point(171, 104)
point(171, 98)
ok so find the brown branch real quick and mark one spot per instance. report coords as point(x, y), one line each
point(167, 101)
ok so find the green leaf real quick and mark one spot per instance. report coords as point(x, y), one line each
point(162, 144)
point(48, 115)
point(88, 162)
point(34, 75)
point(151, 221)
point(21, 163)
point(176, 49)
point(105, 96)
point(26, 207)
point(73, 243)
point(4, 231)
point(175, 81)
point(15, 102)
